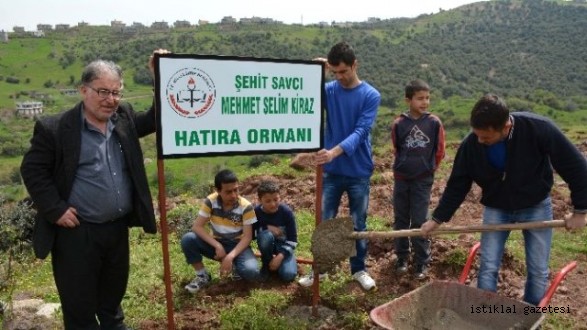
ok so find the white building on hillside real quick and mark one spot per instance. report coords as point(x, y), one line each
point(29, 108)
point(69, 91)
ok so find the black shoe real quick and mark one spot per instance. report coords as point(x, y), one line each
point(401, 266)
point(264, 274)
point(421, 272)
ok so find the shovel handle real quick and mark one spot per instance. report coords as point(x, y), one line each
point(458, 229)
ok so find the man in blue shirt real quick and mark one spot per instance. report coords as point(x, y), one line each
point(351, 109)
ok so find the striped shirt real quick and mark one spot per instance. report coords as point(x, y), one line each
point(227, 224)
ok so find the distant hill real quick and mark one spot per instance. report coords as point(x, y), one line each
point(509, 47)
point(532, 52)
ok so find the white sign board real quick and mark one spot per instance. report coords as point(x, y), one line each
point(218, 105)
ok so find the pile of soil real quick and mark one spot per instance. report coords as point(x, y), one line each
point(448, 257)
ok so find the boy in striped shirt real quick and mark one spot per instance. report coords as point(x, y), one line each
point(230, 218)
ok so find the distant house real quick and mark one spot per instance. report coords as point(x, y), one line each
point(203, 22)
point(246, 21)
point(160, 25)
point(18, 29)
point(39, 34)
point(343, 24)
point(257, 20)
point(228, 20)
point(264, 20)
point(181, 24)
point(29, 109)
point(44, 97)
point(82, 24)
point(138, 26)
point(69, 91)
point(61, 27)
point(44, 27)
point(116, 24)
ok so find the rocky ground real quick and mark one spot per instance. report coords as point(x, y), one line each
point(446, 264)
point(300, 195)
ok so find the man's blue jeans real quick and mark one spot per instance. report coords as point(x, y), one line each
point(268, 246)
point(536, 244)
point(357, 189)
point(245, 264)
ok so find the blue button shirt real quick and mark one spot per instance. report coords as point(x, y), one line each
point(102, 188)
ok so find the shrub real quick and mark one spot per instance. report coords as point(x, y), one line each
point(12, 148)
point(143, 76)
point(457, 257)
point(14, 175)
point(181, 218)
point(257, 160)
point(12, 80)
point(16, 226)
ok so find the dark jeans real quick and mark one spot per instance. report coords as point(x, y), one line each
point(357, 190)
point(270, 245)
point(90, 267)
point(411, 199)
point(195, 248)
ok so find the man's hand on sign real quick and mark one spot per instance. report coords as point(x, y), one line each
point(152, 59)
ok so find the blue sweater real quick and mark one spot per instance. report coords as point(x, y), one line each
point(350, 114)
point(283, 218)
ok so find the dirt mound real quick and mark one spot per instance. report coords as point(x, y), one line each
point(448, 256)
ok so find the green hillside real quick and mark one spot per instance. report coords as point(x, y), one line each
point(532, 52)
point(509, 47)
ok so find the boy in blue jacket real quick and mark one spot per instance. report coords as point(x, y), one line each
point(277, 235)
point(418, 143)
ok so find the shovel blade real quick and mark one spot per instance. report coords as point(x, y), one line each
point(331, 243)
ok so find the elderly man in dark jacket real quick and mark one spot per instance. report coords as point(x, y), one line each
point(84, 172)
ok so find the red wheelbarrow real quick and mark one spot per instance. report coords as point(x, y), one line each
point(454, 305)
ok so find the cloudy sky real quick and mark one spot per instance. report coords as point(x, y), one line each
point(29, 13)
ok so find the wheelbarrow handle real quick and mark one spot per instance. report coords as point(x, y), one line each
point(457, 229)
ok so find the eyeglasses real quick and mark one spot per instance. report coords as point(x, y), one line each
point(105, 93)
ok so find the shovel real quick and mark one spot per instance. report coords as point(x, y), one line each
point(334, 240)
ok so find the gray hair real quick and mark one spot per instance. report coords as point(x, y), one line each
point(97, 68)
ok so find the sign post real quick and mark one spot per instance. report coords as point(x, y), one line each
point(225, 105)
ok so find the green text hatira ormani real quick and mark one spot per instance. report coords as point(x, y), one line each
point(253, 136)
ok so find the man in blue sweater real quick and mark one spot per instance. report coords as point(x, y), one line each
point(511, 156)
point(351, 109)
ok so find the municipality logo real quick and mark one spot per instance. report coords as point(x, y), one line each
point(190, 92)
